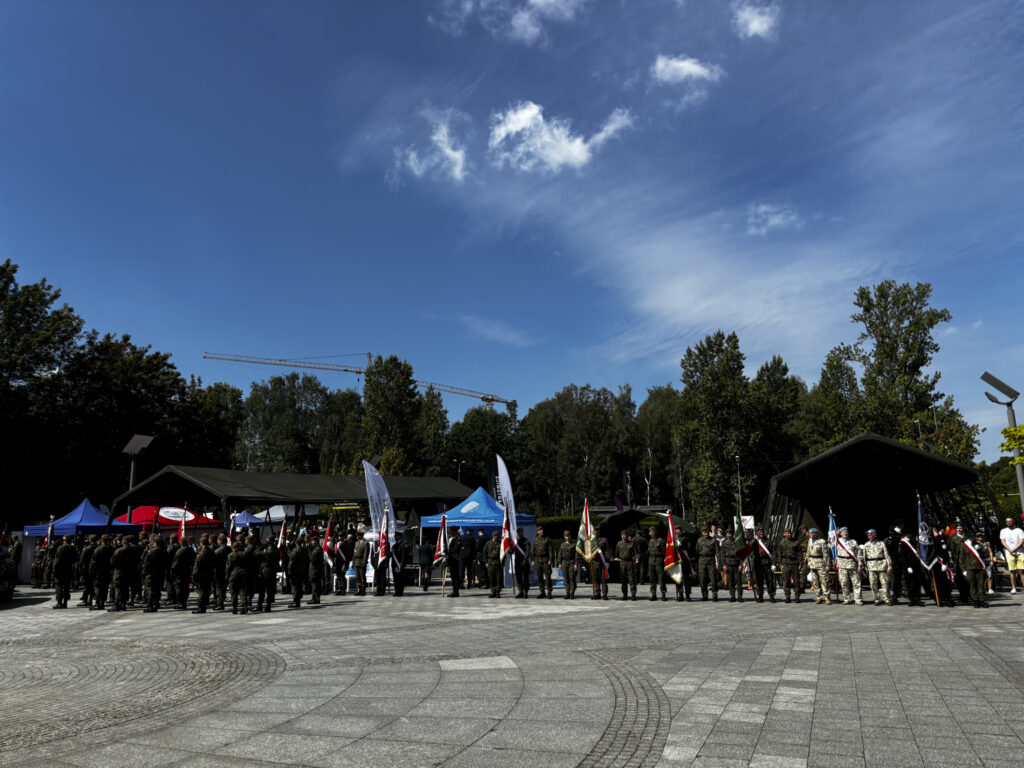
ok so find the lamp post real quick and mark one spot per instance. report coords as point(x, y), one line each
point(1012, 394)
point(459, 463)
point(135, 446)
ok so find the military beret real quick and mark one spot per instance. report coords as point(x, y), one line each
point(814, 530)
point(872, 530)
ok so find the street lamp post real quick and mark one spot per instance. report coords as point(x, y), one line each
point(459, 463)
point(1012, 394)
point(739, 489)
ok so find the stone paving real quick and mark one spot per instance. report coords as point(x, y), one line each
point(421, 681)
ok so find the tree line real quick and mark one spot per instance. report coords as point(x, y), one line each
point(70, 399)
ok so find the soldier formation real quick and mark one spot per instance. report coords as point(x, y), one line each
point(120, 572)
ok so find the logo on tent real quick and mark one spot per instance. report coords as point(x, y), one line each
point(470, 507)
point(175, 513)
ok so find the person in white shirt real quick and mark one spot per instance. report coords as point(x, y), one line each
point(1012, 539)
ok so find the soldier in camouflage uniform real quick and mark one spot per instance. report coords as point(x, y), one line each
point(974, 569)
point(600, 580)
point(181, 570)
point(707, 565)
point(84, 563)
point(819, 563)
point(202, 573)
point(522, 563)
point(269, 565)
point(492, 554)
point(762, 567)
point(625, 556)
point(220, 572)
point(543, 554)
point(317, 570)
point(733, 570)
point(656, 563)
point(875, 560)
point(154, 571)
point(567, 563)
point(64, 560)
point(100, 567)
point(238, 579)
point(848, 560)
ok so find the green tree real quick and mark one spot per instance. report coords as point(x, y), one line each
point(473, 442)
point(341, 432)
point(714, 394)
point(774, 397)
point(661, 471)
point(431, 429)
point(392, 406)
point(280, 430)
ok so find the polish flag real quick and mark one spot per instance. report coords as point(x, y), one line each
point(441, 551)
point(327, 548)
point(673, 562)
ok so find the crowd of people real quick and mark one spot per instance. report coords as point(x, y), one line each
point(117, 572)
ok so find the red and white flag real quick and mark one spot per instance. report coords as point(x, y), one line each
point(673, 562)
point(49, 535)
point(441, 550)
point(181, 528)
point(327, 547)
point(506, 537)
point(383, 555)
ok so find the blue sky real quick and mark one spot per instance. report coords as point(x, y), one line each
point(515, 195)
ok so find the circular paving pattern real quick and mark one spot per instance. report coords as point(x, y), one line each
point(58, 687)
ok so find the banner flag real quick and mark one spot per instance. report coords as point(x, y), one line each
point(741, 544)
point(281, 540)
point(925, 542)
point(326, 547)
point(673, 562)
point(379, 500)
point(441, 550)
point(586, 541)
point(833, 534)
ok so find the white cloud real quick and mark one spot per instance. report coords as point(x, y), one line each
point(762, 218)
point(496, 330)
point(521, 21)
point(684, 69)
point(523, 138)
point(691, 74)
point(755, 20)
point(445, 156)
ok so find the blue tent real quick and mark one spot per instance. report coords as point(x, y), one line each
point(84, 518)
point(244, 520)
point(480, 510)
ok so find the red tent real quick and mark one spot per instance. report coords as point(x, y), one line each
point(168, 519)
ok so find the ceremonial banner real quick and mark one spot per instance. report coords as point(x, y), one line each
point(379, 500)
point(326, 547)
point(441, 551)
point(586, 541)
point(673, 560)
point(925, 541)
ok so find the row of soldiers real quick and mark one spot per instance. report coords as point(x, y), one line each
point(891, 567)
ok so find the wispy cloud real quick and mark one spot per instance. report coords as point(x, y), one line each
point(496, 330)
point(523, 138)
point(750, 20)
point(520, 21)
point(762, 218)
point(688, 73)
point(445, 154)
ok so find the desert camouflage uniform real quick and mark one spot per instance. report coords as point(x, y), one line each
point(875, 559)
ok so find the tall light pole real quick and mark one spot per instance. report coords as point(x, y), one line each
point(459, 462)
point(1012, 394)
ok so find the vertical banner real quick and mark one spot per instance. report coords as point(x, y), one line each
point(379, 500)
point(505, 495)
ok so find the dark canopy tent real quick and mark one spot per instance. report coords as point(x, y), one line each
point(229, 488)
point(868, 482)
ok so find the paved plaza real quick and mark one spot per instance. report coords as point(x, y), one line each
point(421, 681)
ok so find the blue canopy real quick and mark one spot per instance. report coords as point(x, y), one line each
point(84, 518)
point(480, 510)
point(244, 520)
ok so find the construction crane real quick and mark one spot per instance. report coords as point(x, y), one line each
point(488, 399)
